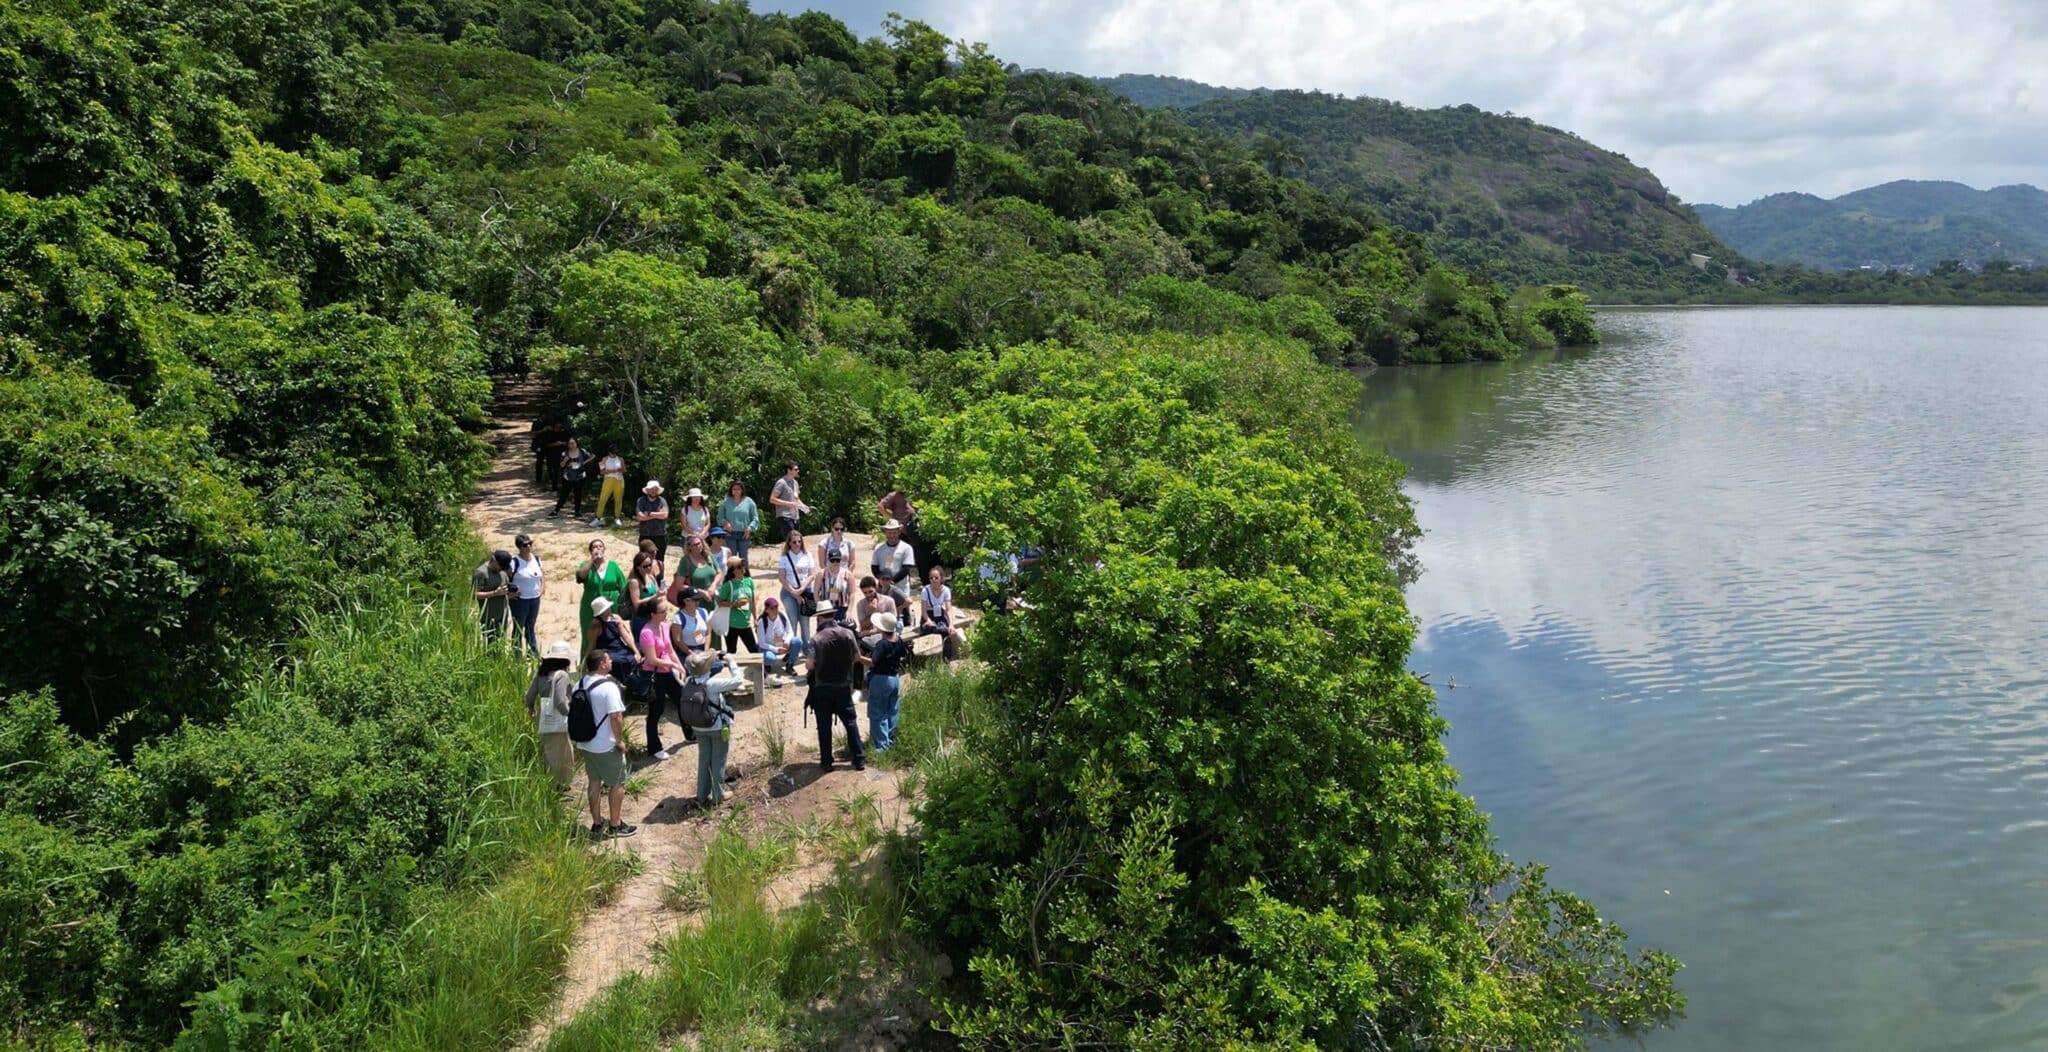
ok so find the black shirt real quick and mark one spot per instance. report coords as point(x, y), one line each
point(888, 657)
point(647, 505)
point(832, 655)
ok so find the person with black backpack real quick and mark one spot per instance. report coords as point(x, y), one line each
point(597, 726)
point(705, 710)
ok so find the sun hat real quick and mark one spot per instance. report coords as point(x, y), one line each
point(561, 649)
point(700, 662)
point(600, 606)
point(885, 621)
point(892, 524)
point(653, 486)
point(718, 531)
point(694, 492)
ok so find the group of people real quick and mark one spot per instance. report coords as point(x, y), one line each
point(672, 637)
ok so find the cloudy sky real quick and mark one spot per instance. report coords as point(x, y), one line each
point(1726, 100)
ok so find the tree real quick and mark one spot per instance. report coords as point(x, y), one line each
point(650, 332)
point(1211, 805)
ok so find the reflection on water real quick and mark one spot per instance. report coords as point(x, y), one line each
point(1747, 612)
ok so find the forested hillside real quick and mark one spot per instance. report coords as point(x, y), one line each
point(262, 783)
point(1497, 193)
point(1899, 224)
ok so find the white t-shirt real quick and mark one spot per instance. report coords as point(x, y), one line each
point(613, 467)
point(604, 700)
point(694, 628)
point(775, 632)
point(841, 545)
point(890, 558)
point(797, 564)
point(526, 576)
point(938, 606)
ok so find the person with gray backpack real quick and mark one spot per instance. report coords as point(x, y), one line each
point(705, 710)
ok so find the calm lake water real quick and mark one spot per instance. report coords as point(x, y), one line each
point(1747, 612)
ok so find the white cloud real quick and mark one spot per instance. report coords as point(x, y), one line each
point(1726, 100)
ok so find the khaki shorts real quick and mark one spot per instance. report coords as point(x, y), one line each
point(606, 768)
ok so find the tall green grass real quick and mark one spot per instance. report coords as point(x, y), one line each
point(938, 704)
point(750, 976)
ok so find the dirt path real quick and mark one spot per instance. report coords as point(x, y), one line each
point(620, 935)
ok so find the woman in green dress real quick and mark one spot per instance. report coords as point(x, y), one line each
point(600, 577)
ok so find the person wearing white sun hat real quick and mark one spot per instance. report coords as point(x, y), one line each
point(696, 514)
point(547, 701)
point(885, 671)
point(651, 512)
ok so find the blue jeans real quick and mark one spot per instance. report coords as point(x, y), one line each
point(883, 694)
point(790, 607)
point(740, 547)
point(525, 614)
point(770, 657)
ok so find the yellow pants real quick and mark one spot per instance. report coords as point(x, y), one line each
point(613, 490)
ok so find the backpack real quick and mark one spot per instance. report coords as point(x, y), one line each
point(695, 709)
point(582, 716)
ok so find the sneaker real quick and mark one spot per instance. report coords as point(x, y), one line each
point(597, 522)
point(622, 831)
point(859, 766)
point(597, 830)
point(662, 755)
point(826, 767)
point(617, 523)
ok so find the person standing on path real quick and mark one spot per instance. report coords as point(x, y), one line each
point(714, 735)
point(547, 701)
point(529, 584)
point(604, 757)
point(696, 515)
point(789, 505)
point(740, 517)
point(894, 564)
point(601, 578)
point(575, 479)
point(611, 486)
point(795, 569)
point(885, 671)
point(736, 597)
point(492, 584)
point(651, 511)
point(643, 591)
point(664, 671)
point(833, 655)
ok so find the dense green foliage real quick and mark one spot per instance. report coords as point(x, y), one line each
point(1207, 803)
point(257, 258)
point(1903, 223)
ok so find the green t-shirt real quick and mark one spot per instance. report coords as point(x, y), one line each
point(739, 588)
point(702, 575)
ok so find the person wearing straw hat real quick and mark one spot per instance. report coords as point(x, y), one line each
point(894, 563)
point(651, 512)
point(706, 670)
point(547, 701)
point(696, 514)
point(885, 670)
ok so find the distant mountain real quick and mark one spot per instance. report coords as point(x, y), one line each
point(1530, 203)
point(1155, 92)
point(1904, 223)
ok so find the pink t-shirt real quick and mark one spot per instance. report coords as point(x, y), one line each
point(655, 645)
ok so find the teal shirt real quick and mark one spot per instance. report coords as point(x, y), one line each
point(738, 517)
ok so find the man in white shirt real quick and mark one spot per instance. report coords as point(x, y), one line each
point(603, 757)
point(894, 563)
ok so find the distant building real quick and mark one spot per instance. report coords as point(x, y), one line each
point(1698, 261)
